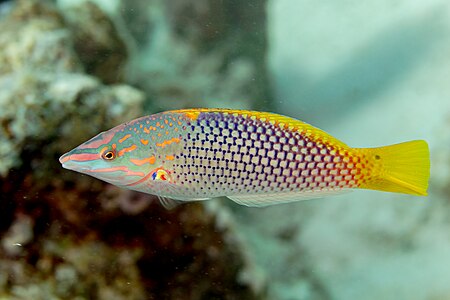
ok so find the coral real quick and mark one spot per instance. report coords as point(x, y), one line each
point(34, 38)
point(19, 235)
point(101, 51)
point(44, 94)
point(66, 270)
point(91, 249)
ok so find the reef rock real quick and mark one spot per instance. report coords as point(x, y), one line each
point(44, 93)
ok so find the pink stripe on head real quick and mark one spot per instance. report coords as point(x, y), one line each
point(80, 157)
point(120, 168)
point(140, 180)
point(101, 139)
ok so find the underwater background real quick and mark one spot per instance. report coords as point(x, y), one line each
point(370, 73)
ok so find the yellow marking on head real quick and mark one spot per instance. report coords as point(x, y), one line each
point(144, 142)
point(139, 162)
point(124, 138)
point(146, 130)
point(103, 149)
point(158, 124)
point(124, 150)
point(166, 121)
point(170, 157)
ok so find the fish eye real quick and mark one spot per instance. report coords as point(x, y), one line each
point(109, 155)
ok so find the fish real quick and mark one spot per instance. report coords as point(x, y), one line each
point(254, 158)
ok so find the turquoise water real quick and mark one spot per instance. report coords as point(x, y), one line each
point(370, 74)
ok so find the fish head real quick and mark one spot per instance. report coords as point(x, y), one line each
point(109, 157)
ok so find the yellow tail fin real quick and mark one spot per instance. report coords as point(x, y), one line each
point(401, 168)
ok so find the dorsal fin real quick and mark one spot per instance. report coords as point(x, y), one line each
point(315, 134)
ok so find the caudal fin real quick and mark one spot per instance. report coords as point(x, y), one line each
point(401, 168)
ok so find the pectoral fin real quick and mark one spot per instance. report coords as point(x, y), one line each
point(169, 203)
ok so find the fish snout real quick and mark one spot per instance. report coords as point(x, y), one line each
point(64, 158)
point(76, 162)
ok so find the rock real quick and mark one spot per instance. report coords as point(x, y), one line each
point(19, 235)
point(97, 42)
point(43, 92)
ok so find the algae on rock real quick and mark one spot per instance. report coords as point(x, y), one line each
point(44, 93)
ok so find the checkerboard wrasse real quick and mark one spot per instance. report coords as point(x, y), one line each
point(253, 158)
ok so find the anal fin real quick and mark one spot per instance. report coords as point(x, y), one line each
point(261, 200)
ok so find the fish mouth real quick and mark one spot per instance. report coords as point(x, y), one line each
point(69, 163)
point(64, 158)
